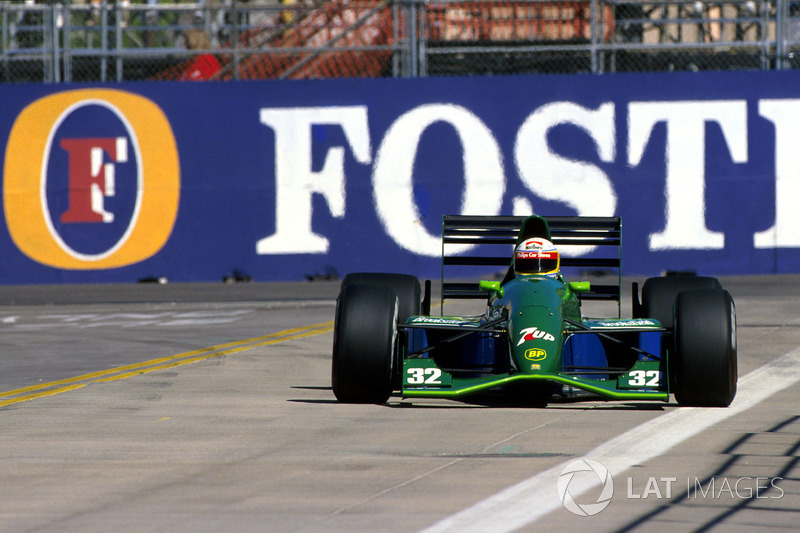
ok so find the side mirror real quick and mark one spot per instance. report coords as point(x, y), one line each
point(491, 286)
point(580, 286)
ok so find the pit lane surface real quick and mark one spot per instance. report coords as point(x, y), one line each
point(208, 408)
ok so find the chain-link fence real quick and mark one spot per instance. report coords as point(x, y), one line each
point(100, 40)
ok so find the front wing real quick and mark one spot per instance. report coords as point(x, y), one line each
point(424, 375)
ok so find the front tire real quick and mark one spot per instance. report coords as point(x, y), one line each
point(407, 289)
point(364, 348)
point(405, 286)
point(704, 364)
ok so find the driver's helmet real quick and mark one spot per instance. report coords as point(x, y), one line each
point(536, 256)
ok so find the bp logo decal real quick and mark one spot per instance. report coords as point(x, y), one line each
point(92, 179)
point(535, 354)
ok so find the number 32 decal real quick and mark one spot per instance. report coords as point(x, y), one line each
point(426, 376)
point(644, 378)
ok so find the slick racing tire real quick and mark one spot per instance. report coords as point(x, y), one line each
point(405, 286)
point(658, 295)
point(364, 348)
point(407, 289)
point(704, 362)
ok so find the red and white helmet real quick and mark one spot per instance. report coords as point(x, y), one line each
point(536, 256)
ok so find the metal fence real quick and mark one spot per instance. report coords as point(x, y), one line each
point(100, 40)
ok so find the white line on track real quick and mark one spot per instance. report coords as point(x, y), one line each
point(529, 500)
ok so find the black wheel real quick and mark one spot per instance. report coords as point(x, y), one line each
point(704, 361)
point(407, 289)
point(658, 294)
point(364, 344)
point(405, 286)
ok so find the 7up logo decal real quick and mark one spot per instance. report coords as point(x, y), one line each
point(529, 334)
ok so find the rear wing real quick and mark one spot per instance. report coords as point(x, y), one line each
point(496, 235)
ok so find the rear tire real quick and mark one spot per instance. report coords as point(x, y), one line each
point(704, 364)
point(364, 348)
point(658, 295)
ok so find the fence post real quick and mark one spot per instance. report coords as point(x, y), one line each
point(412, 70)
point(403, 49)
point(594, 29)
point(781, 17)
point(66, 13)
point(55, 75)
point(409, 64)
point(118, 38)
point(104, 40)
point(5, 38)
point(235, 38)
point(422, 39)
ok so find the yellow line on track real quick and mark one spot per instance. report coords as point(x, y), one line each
point(51, 392)
point(124, 372)
point(210, 355)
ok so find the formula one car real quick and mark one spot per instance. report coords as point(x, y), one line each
point(533, 341)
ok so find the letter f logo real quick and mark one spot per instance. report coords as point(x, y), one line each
point(91, 178)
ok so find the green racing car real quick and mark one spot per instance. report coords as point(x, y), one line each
point(533, 341)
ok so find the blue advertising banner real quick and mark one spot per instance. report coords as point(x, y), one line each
point(278, 180)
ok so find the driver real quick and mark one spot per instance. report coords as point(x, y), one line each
point(536, 256)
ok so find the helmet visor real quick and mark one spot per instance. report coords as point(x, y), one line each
point(536, 262)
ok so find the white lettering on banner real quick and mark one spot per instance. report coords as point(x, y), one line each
point(785, 115)
point(393, 174)
point(579, 184)
point(296, 182)
point(685, 160)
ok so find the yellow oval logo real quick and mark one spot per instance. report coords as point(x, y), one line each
point(535, 354)
point(85, 194)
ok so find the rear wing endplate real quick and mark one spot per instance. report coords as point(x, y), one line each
point(495, 237)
